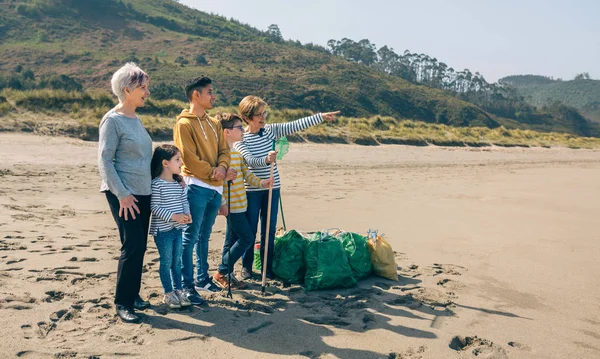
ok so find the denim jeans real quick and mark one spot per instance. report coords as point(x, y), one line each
point(238, 238)
point(204, 207)
point(257, 208)
point(169, 248)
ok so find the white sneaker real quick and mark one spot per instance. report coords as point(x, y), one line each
point(183, 300)
point(172, 300)
point(246, 274)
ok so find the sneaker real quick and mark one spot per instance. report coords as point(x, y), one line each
point(172, 300)
point(246, 273)
point(193, 296)
point(236, 283)
point(221, 280)
point(183, 299)
point(207, 286)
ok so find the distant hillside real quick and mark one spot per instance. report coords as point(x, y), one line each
point(582, 94)
point(75, 45)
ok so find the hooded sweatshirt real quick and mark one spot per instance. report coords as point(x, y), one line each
point(202, 145)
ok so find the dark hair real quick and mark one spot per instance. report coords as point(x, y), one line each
point(228, 120)
point(197, 83)
point(163, 152)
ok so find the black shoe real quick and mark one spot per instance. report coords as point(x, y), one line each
point(207, 286)
point(140, 304)
point(127, 314)
point(193, 296)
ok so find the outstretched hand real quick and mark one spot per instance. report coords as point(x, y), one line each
point(330, 116)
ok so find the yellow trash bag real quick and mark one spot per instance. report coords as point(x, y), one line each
point(382, 256)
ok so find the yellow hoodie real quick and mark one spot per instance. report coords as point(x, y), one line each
point(202, 145)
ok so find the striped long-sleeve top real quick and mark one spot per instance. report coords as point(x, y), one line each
point(168, 198)
point(254, 147)
point(239, 203)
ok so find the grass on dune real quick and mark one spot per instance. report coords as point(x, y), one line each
point(78, 114)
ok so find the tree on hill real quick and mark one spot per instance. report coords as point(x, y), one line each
point(274, 33)
point(582, 76)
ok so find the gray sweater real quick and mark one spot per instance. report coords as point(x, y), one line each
point(124, 156)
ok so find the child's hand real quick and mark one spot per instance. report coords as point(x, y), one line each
point(180, 218)
point(188, 217)
point(231, 174)
point(271, 157)
point(223, 210)
point(267, 183)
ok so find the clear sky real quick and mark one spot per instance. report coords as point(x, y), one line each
point(495, 37)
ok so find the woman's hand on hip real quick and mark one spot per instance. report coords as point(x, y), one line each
point(330, 116)
point(128, 206)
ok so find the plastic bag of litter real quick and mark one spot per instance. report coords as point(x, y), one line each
point(359, 255)
point(288, 258)
point(382, 256)
point(326, 263)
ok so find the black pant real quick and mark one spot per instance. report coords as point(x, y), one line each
point(134, 235)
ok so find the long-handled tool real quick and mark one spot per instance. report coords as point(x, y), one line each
point(229, 266)
point(268, 230)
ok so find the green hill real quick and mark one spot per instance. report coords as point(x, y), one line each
point(582, 94)
point(75, 45)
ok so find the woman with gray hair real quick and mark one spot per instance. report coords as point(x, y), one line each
point(124, 156)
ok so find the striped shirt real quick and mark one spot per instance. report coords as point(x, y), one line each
point(168, 198)
point(254, 148)
point(239, 204)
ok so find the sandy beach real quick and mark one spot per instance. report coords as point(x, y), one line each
point(497, 251)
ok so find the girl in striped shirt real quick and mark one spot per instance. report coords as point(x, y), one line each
point(170, 215)
point(257, 148)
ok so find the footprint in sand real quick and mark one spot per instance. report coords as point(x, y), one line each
point(28, 332)
point(53, 296)
point(478, 347)
point(409, 353)
point(44, 329)
point(520, 346)
point(450, 269)
point(13, 261)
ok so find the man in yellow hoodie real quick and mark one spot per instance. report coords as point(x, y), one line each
point(206, 158)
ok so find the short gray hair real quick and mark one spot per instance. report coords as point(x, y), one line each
point(129, 76)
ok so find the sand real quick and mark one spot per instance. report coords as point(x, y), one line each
point(497, 251)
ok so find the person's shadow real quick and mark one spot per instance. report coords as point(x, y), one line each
point(291, 321)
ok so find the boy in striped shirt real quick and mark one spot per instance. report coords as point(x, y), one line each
point(238, 237)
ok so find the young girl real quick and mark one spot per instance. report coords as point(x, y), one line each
point(170, 216)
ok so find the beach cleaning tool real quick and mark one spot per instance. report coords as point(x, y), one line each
point(229, 265)
point(282, 146)
point(268, 227)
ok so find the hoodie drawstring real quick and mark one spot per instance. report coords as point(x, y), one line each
point(204, 132)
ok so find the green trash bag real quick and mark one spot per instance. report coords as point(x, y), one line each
point(257, 263)
point(359, 257)
point(326, 264)
point(288, 259)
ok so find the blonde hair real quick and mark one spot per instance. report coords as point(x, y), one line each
point(249, 105)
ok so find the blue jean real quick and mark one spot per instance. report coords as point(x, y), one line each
point(204, 207)
point(238, 238)
point(169, 248)
point(258, 202)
